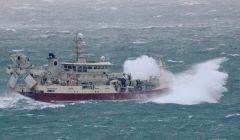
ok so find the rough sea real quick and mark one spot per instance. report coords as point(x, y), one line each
point(198, 40)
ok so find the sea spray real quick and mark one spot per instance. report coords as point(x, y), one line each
point(142, 67)
point(203, 82)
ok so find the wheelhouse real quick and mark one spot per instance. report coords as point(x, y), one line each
point(98, 67)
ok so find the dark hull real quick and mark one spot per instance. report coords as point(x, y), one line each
point(74, 97)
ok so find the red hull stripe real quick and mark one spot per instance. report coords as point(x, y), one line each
point(73, 97)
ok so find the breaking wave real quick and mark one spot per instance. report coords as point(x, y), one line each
point(17, 101)
point(201, 83)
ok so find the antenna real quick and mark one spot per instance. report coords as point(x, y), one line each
point(80, 54)
point(76, 41)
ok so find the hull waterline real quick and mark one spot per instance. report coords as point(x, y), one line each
point(74, 97)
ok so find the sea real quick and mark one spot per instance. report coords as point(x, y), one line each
point(197, 40)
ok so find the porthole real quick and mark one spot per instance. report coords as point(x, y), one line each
point(55, 63)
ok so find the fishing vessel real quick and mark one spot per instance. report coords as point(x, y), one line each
point(78, 80)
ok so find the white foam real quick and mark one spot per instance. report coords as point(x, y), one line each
point(113, 8)
point(24, 8)
point(16, 50)
point(230, 54)
point(17, 101)
point(151, 27)
point(48, 35)
point(201, 83)
point(139, 41)
point(65, 32)
point(157, 16)
point(142, 67)
point(35, 29)
point(175, 61)
point(48, 1)
point(232, 115)
point(10, 30)
point(210, 49)
point(190, 14)
point(191, 3)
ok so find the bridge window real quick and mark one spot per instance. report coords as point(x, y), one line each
point(79, 68)
point(89, 67)
point(74, 68)
point(101, 67)
point(66, 68)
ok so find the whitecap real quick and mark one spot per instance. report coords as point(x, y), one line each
point(10, 30)
point(48, 1)
point(164, 26)
point(65, 32)
point(231, 115)
point(210, 49)
point(230, 54)
point(16, 50)
point(34, 29)
point(13, 100)
point(157, 16)
point(113, 8)
point(202, 83)
point(190, 14)
point(139, 41)
point(213, 10)
point(192, 3)
point(174, 61)
point(48, 35)
point(24, 7)
point(151, 27)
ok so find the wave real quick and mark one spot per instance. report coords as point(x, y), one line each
point(232, 115)
point(48, 1)
point(163, 27)
point(192, 3)
point(157, 16)
point(210, 49)
point(14, 100)
point(10, 30)
point(120, 27)
point(22, 50)
point(201, 83)
point(113, 8)
point(230, 54)
point(174, 61)
point(24, 8)
point(190, 14)
point(47, 35)
point(139, 41)
point(65, 32)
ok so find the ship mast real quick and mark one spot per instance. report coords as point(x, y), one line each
point(80, 54)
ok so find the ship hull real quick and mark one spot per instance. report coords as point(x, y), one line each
point(74, 97)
